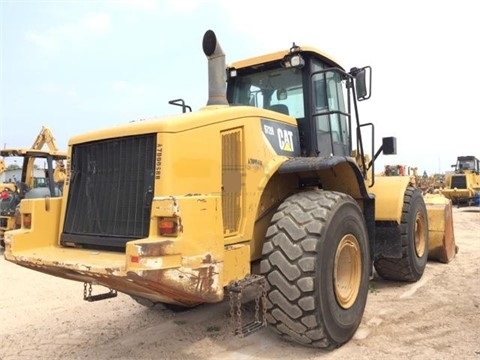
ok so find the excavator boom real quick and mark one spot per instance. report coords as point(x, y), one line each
point(45, 137)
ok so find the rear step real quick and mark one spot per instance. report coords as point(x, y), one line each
point(251, 286)
point(87, 294)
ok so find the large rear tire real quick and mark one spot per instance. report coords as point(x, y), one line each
point(317, 264)
point(414, 238)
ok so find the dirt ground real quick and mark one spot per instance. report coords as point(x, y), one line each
point(436, 318)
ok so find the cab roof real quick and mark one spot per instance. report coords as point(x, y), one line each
point(279, 55)
point(57, 155)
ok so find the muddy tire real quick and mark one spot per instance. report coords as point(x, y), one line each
point(316, 262)
point(414, 238)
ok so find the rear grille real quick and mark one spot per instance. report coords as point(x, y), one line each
point(459, 181)
point(110, 194)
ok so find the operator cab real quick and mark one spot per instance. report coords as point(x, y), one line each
point(306, 85)
point(29, 186)
point(467, 163)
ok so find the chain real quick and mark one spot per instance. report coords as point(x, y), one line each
point(87, 294)
point(236, 290)
point(232, 312)
point(239, 313)
point(257, 307)
point(264, 302)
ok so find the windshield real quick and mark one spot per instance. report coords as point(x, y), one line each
point(278, 89)
point(466, 165)
point(314, 95)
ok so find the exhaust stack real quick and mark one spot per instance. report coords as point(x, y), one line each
point(216, 69)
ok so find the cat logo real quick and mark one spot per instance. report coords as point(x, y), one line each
point(285, 139)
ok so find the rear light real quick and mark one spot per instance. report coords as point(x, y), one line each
point(27, 221)
point(4, 195)
point(168, 226)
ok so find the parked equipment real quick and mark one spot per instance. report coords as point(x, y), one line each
point(442, 245)
point(28, 186)
point(260, 189)
point(463, 185)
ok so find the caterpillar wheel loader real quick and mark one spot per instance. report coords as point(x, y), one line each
point(11, 193)
point(463, 185)
point(267, 188)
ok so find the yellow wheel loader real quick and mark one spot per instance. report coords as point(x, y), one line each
point(267, 190)
point(28, 186)
point(463, 185)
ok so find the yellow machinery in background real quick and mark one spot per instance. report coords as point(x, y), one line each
point(442, 245)
point(267, 187)
point(12, 192)
point(463, 185)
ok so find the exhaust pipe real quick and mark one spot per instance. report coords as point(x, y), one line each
point(216, 70)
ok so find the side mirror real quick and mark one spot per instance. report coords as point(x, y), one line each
point(389, 145)
point(363, 82)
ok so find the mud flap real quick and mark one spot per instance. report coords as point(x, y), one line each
point(442, 245)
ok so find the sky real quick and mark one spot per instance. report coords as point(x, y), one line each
point(79, 66)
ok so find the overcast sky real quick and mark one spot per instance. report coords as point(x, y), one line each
point(78, 66)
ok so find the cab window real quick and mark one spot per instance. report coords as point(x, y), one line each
point(328, 109)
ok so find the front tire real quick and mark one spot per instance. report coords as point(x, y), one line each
point(414, 238)
point(317, 265)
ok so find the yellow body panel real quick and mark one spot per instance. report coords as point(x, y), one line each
point(389, 192)
point(237, 261)
point(46, 211)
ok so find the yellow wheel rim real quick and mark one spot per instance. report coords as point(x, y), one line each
point(420, 240)
point(347, 273)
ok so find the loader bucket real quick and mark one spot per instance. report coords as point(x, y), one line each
point(442, 245)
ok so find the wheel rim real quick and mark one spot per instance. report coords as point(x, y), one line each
point(420, 239)
point(347, 271)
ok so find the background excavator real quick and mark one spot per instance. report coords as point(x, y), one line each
point(29, 186)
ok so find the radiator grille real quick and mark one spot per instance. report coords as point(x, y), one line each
point(231, 180)
point(111, 190)
point(459, 181)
